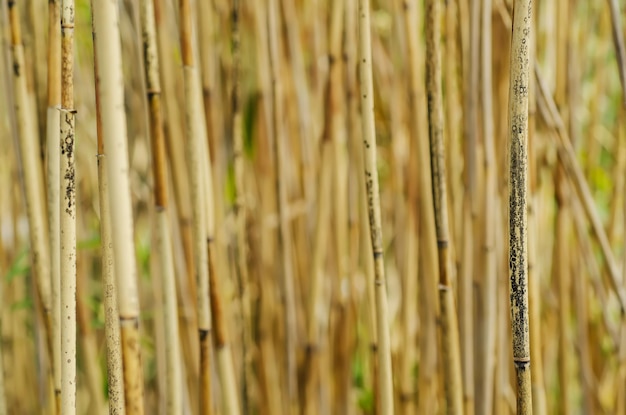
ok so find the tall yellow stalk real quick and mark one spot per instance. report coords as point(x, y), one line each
point(488, 305)
point(449, 327)
point(281, 202)
point(366, 87)
point(174, 396)
point(68, 213)
point(53, 169)
point(195, 148)
point(31, 170)
point(518, 190)
point(110, 90)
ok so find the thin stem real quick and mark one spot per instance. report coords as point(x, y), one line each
point(449, 327)
point(366, 86)
point(518, 190)
point(110, 90)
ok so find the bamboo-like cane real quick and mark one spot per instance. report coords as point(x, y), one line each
point(110, 92)
point(68, 213)
point(281, 202)
point(196, 171)
point(111, 312)
point(174, 396)
point(427, 383)
point(484, 392)
point(518, 190)
point(53, 169)
point(31, 171)
point(450, 333)
point(366, 86)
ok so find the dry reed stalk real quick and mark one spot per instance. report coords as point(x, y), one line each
point(471, 222)
point(534, 263)
point(561, 265)
point(618, 42)
point(241, 249)
point(567, 157)
point(429, 303)
point(115, 378)
point(110, 91)
point(366, 87)
point(518, 190)
point(68, 212)
point(53, 121)
point(31, 171)
point(288, 294)
point(488, 306)
point(174, 397)
point(449, 328)
point(305, 122)
point(172, 127)
point(196, 171)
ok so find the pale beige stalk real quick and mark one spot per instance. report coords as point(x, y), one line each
point(278, 142)
point(453, 385)
point(429, 302)
point(111, 312)
point(618, 41)
point(68, 213)
point(196, 156)
point(174, 396)
point(366, 88)
point(488, 305)
point(31, 170)
point(110, 90)
point(53, 121)
point(518, 190)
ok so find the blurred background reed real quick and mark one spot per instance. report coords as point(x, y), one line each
point(265, 95)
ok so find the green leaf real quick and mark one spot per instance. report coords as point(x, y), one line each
point(19, 268)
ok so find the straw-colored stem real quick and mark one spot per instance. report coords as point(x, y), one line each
point(68, 213)
point(53, 121)
point(567, 157)
point(518, 191)
point(366, 87)
point(484, 392)
point(195, 158)
point(427, 385)
point(111, 96)
point(449, 327)
point(111, 312)
point(31, 171)
point(174, 397)
point(281, 203)
point(620, 48)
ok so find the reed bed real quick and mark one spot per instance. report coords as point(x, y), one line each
point(320, 207)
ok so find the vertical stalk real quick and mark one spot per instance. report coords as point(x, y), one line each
point(488, 306)
point(449, 333)
point(281, 202)
point(620, 48)
point(518, 190)
point(110, 90)
point(174, 398)
point(31, 170)
point(111, 311)
point(68, 213)
point(427, 384)
point(195, 148)
point(53, 122)
point(366, 86)
point(241, 265)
